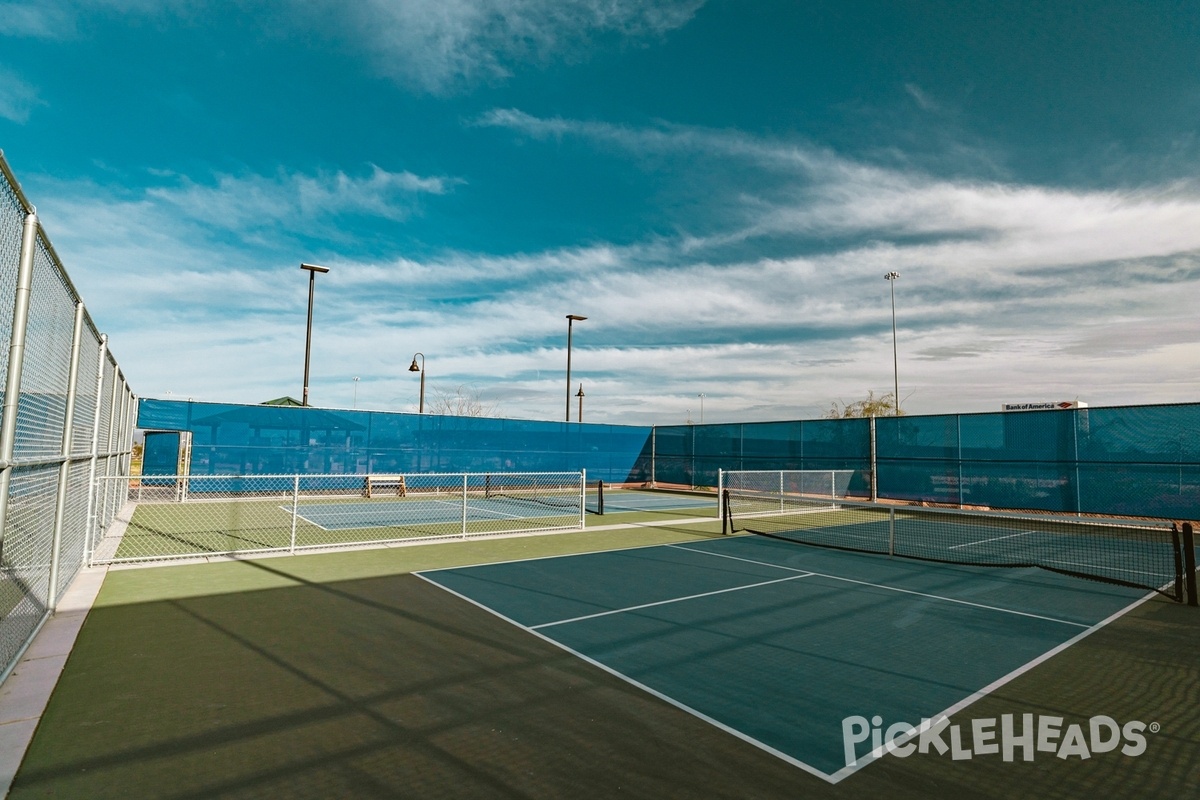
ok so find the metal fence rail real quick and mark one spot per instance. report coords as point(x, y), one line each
point(68, 416)
point(194, 516)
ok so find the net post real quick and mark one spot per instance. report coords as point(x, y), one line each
point(891, 532)
point(1189, 563)
point(296, 511)
point(720, 494)
point(726, 517)
point(600, 497)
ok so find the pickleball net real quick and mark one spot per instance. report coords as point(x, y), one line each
point(1137, 554)
point(563, 491)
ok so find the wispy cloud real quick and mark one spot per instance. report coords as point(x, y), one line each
point(42, 20)
point(18, 99)
point(298, 199)
point(1056, 292)
point(440, 46)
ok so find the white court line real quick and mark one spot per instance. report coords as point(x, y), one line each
point(716, 723)
point(666, 602)
point(993, 539)
point(844, 772)
point(885, 587)
point(1088, 565)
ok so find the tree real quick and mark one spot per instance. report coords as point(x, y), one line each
point(872, 406)
point(461, 401)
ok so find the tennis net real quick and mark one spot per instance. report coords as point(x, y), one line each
point(566, 491)
point(1139, 555)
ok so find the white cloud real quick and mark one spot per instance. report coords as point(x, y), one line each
point(297, 199)
point(18, 99)
point(1008, 292)
point(442, 45)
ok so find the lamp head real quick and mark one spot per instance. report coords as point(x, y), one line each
point(413, 367)
point(575, 317)
point(314, 268)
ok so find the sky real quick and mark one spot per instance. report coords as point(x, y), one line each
point(719, 186)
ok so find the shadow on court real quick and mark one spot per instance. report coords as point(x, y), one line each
point(279, 684)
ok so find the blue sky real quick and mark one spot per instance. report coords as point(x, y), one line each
point(719, 186)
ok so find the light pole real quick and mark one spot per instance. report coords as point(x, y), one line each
point(312, 269)
point(571, 320)
point(580, 396)
point(702, 408)
point(891, 279)
point(356, 391)
point(421, 369)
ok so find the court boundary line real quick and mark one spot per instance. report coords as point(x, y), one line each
point(809, 768)
point(669, 601)
point(887, 588)
point(859, 763)
point(1000, 682)
point(489, 515)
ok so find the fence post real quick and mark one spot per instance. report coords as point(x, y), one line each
point(1189, 563)
point(295, 510)
point(653, 456)
point(109, 483)
point(874, 464)
point(64, 469)
point(464, 506)
point(16, 362)
point(958, 437)
point(93, 526)
point(582, 497)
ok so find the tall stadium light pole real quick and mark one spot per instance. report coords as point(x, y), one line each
point(312, 269)
point(355, 391)
point(571, 320)
point(702, 408)
point(421, 369)
point(891, 279)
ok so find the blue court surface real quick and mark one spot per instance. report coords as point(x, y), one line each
point(401, 513)
point(778, 643)
point(617, 501)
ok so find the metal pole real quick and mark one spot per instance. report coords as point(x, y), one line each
point(93, 528)
point(580, 396)
point(312, 282)
point(312, 270)
point(16, 362)
point(295, 511)
point(891, 279)
point(64, 469)
point(570, 322)
point(421, 369)
point(874, 464)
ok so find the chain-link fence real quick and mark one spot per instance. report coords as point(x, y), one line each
point(192, 516)
point(67, 418)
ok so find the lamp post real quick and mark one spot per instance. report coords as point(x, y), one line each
point(702, 408)
point(421, 369)
point(571, 320)
point(891, 279)
point(312, 269)
point(356, 391)
point(580, 396)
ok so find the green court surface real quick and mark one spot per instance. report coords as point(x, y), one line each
point(159, 530)
point(345, 675)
